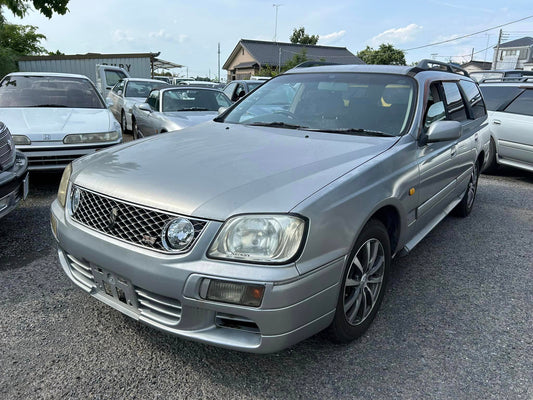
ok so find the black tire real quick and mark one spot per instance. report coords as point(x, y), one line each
point(492, 165)
point(123, 123)
point(135, 129)
point(359, 285)
point(467, 202)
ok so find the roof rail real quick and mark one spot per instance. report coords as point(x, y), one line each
point(307, 64)
point(507, 79)
point(426, 65)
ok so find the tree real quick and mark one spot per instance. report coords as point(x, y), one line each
point(45, 7)
point(16, 41)
point(299, 36)
point(386, 54)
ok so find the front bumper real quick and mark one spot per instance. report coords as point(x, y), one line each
point(164, 290)
point(14, 184)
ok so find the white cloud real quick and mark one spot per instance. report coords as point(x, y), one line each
point(396, 35)
point(120, 35)
point(164, 35)
point(331, 37)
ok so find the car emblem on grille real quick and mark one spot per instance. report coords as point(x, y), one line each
point(47, 137)
point(112, 218)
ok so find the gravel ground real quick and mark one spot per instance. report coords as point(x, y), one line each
point(456, 322)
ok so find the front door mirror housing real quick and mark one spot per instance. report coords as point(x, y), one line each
point(145, 107)
point(109, 102)
point(442, 131)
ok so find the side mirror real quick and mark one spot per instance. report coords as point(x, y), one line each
point(221, 110)
point(442, 131)
point(119, 92)
point(144, 107)
point(109, 102)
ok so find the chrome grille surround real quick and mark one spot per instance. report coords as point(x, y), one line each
point(128, 222)
point(7, 148)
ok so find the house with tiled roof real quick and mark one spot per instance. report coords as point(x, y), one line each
point(516, 54)
point(249, 56)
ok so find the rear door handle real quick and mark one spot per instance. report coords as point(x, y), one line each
point(453, 151)
point(476, 137)
point(496, 121)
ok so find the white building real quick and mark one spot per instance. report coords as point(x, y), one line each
point(516, 54)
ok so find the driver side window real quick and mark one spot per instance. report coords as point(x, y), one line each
point(435, 110)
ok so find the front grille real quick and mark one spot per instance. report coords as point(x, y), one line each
point(151, 306)
point(130, 223)
point(7, 148)
point(163, 310)
point(50, 160)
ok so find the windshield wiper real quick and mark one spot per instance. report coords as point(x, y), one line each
point(353, 131)
point(50, 105)
point(193, 109)
point(277, 124)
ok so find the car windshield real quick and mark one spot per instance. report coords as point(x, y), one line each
point(194, 100)
point(142, 89)
point(47, 91)
point(349, 103)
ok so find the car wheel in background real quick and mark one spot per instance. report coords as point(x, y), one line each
point(492, 164)
point(467, 202)
point(123, 122)
point(135, 129)
point(363, 284)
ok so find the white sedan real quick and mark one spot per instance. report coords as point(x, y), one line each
point(55, 118)
point(126, 93)
point(510, 107)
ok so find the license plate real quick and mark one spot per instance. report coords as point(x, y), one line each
point(112, 285)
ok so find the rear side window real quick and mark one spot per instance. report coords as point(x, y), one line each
point(523, 104)
point(454, 102)
point(473, 96)
point(496, 97)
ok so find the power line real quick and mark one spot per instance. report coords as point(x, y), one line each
point(465, 36)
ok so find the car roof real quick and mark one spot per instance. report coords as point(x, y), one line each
point(143, 80)
point(165, 89)
point(50, 74)
point(390, 69)
point(522, 81)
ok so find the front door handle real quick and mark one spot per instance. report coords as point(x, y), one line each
point(453, 151)
point(496, 121)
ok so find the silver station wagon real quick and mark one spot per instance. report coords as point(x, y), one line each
point(280, 218)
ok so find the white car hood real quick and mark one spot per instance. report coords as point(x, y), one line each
point(55, 123)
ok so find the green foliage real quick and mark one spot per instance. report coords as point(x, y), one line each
point(386, 54)
point(45, 7)
point(268, 70)
point(299, 36)
point(295, 60)
point(16, 41)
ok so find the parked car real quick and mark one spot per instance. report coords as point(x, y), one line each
point(479, 76)
point(204, 84)
point(235, 90)
point(171, 109)
point(55, 118)
point(254, 232)
point(510, 108)
point(126, 93)
point(166, 79)
point(13, 173)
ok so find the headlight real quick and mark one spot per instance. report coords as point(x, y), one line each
point(92, 137)
point(63, 185)
point(259, 238)
point(21, 139)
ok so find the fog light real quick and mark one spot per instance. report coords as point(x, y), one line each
point(178, 234)
point(235, 293)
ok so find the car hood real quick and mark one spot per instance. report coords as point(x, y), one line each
point(183, 119)
point(216, 170)
point(55, 122)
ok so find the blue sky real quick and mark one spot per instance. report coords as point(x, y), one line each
point(188, 32)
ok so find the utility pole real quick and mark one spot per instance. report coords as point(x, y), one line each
point(495, 66)
point(276, 25)
point(472, 56)
point(218, 62)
